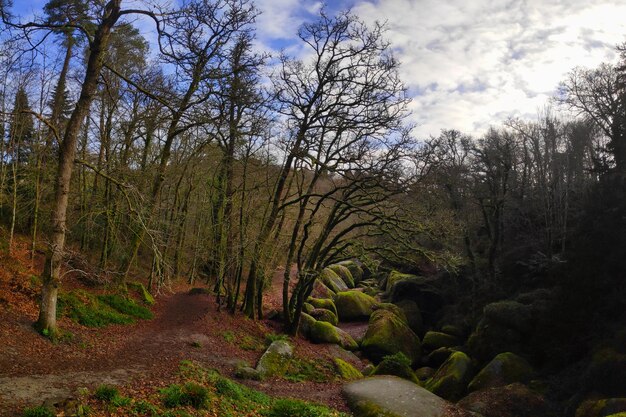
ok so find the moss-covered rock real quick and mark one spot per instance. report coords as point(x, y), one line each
point(454, 330)
point(395, 276)
point(326, 303)
point(321, 291)
point(306, 323)
point(493, 337)
point(435, 340)
point(506, 368)
point(323, 332)
point(346, 370)
point(143, 293)
point(321, 314)
point(606, 373)
point(437, 357)
point(394, 309)
point(451, 379)
point(398, 365)
point(356, 271)
point(275, 360)
point(354, 305)
point(332, 280)
point(424, 373)
point(510, 314)
point(515, 400)
point(307, 308)
point(602, 408)
point(344, 273)
point(413, 315)
point(387, 334)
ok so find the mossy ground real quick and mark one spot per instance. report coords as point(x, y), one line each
point(200, 392)
point(100, 310)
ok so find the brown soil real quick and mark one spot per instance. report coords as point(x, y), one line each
point(138, 357)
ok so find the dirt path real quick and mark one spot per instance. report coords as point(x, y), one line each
point(33, 371)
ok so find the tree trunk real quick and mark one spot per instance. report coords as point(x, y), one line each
point(52, 272)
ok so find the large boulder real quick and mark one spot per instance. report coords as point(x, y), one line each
point(451, 379)
point(601, 408)
point(323, 332)
point(344, 273)
point(332, 280)
point(390, 396)
point(388, 334)
point(606, 373)
point(504, 327)
point(321, 314)
point(413, 315)
point(435, 340)
point(346, 370)
point(425, 292)
point(437, 357)
point(326, 303)
point(504, 369)
point(275, 360)
point(395, 276)
point(354, 305)
point(321, 290)
point(515, 400)
point(306, 324)
point(356, 270)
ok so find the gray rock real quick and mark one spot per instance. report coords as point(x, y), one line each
point(275, 359)
point(390, 396)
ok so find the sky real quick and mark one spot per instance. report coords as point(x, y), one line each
point(471, 64)
point(468, 64)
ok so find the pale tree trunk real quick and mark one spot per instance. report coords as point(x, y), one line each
point(52, 270)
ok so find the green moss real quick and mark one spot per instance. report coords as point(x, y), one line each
point(506, 368)
point(395, 276)
point(354, 305)
point(321, 314)
point(450, 380)
point(355, 270)
point(370, 409)
point(387, 334)
point(344, 273)
point(102, 310)
point(321, 290)
point(306, 323)
point(393, 309)
point(323, 332)
point(307, 308)
point(39, 411)
point(126, 306)
point(142, 292)
point(332, 280)
point(346, 370)
point(326, 303)
point(398, 365)
point(435, 340)
point(621, 414)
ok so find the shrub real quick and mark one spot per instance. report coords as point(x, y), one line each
point(106, 393)
point(39, 411)
point(191, 394)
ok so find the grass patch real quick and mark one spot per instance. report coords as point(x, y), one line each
point(39, 411)
point(111, 395)
point(273, 337)
point(192, 394)
point(102, 310)
point(289, 407)
point(244, 341)
point(301, 369)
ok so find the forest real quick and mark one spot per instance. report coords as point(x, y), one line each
point(192, 226)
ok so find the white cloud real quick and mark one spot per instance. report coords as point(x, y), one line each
point(473, 64)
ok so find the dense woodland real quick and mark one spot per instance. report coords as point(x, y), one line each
point(196, 157)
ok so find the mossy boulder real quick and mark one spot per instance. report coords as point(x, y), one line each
point(393, 309)
point(435, 340)
point(332, 280)
point(307, 308)
point(356, 270)
point(306, 323)
point(515, 400)
point(275, 360)
point(398, 365)
point(506, 368)
point(454, 330)
point(451, 379)
point(346, 370)
point(326, 303)
point(143, 293)
point(602, 408)
point(424, 373)
point(426, 292)
point(354, 305)
point(413, 315)
point(321, 314)
point(323, 332)
point(606, 373)
point(437, 357)
point(321, 291)
point(395, 276)
point(388, 334)
point(510, 314)
point(344, 273)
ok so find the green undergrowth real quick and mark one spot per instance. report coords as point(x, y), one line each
point(303, 369)
point(39, 411)
point(101, 310)
point(204, 392)
point(245, 341)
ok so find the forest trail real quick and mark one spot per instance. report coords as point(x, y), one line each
point(141, 356)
